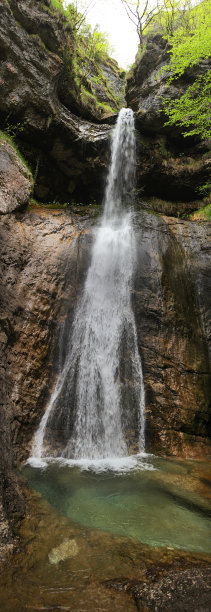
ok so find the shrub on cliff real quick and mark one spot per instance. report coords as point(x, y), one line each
point(190, 46)
point(84, 62)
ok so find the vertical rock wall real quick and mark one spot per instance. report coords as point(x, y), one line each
point(172, 305)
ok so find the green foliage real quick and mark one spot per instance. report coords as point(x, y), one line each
point(175, 14)
point(189, 45)
point(84, 58)
point(192, 109)
point(203, 214)
point(12, 130)
point(58, 4)
point(97, 45)
point(206, 188)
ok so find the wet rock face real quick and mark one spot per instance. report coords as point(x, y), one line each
point(40, 257)
point(44, 258)
point(178, 166)
point(15, 179)
point(12, 502)
point(171, 302)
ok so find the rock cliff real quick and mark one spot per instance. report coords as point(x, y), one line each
point(45, 256)
point(40, 263)
point(65, 137)
point(67, 153)
point(178, 166)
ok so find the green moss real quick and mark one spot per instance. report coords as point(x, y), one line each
point(90, 101)
point(84, 56)
point(48, 205)
point(203, 214)
point(106, 107)
point(58, 5)
point(92, 210)
point(6, 138)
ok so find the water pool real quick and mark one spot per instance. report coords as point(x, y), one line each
point(156, 501)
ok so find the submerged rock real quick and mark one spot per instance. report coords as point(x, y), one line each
point(66, 550)
point(184, 590)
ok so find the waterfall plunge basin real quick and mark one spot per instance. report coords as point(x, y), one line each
point(155, 501)
point(83, 538)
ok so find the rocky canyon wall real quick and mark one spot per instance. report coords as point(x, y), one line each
point(67, 143)
point(44, 258)
point(42, 265)
point(44, 254)
point(67, 153)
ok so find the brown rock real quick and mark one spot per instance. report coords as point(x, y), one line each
point(172, 305)
point(15, 179)
point(48, 255)
point(44, 257)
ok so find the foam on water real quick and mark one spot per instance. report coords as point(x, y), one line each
point(118, 465)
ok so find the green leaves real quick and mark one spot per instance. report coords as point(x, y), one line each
point(189, 45)
point(193, 109)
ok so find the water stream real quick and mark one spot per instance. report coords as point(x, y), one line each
point(89, 415)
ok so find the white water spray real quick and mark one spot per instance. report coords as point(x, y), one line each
point(101, 383)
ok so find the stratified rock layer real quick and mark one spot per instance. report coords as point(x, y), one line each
point(48, 254)
point(172, 306)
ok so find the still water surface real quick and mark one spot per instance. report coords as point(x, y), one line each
point(155, 501)
point(92, 527)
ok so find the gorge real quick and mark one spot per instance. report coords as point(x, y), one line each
point(70, 271)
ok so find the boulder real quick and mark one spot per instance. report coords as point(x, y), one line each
point(15, 179)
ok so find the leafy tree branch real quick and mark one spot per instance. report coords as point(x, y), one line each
point(189, 46)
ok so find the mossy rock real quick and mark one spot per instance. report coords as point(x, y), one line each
point(16, 181)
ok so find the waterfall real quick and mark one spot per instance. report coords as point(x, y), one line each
point(100, 393)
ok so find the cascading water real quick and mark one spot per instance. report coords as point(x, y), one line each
point(100, 388)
